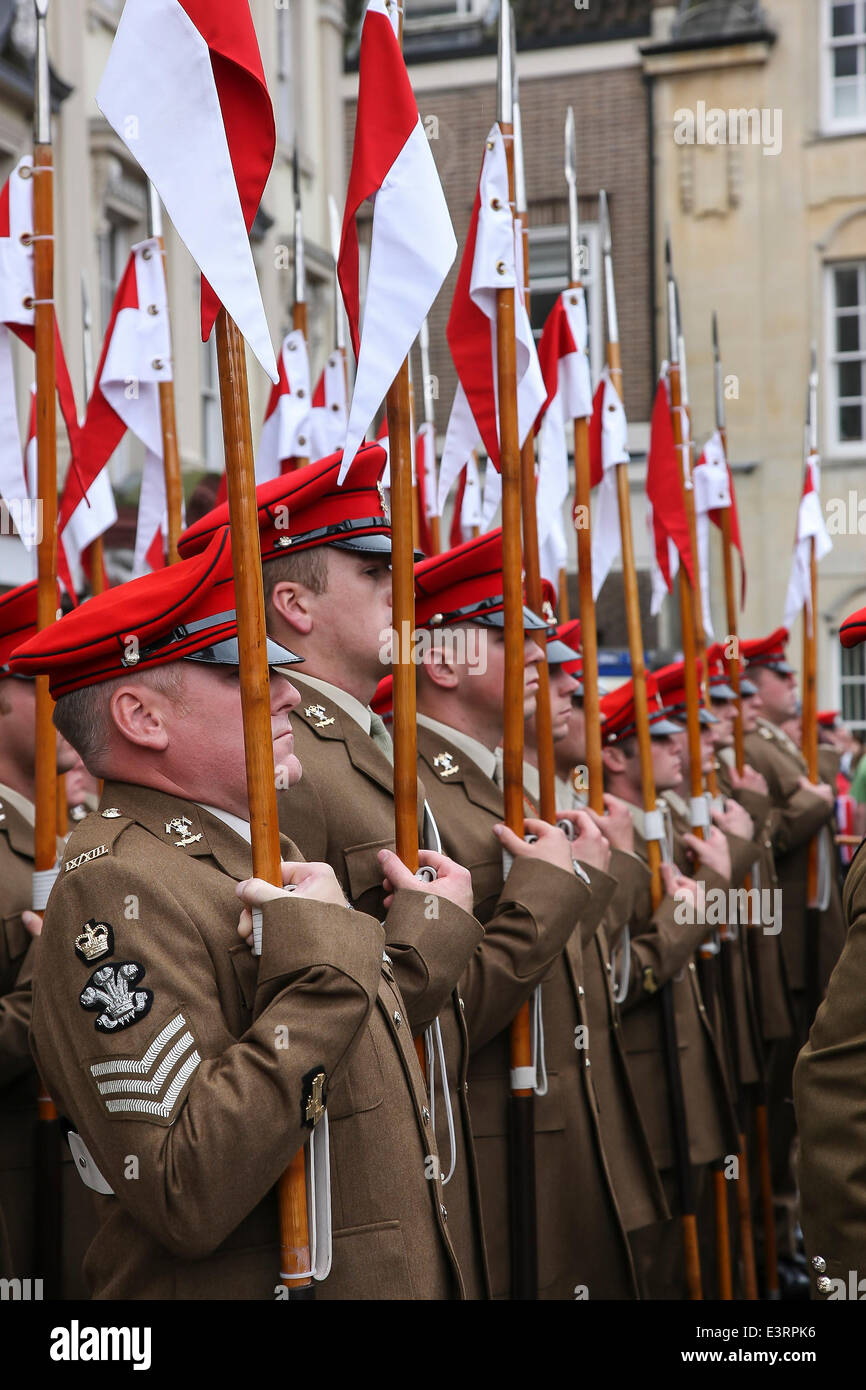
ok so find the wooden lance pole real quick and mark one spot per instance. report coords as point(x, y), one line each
point(588, 633)
point(747, 1243)
point(339, 320)
point(96, 549)
point(258, 744)
point(528, 498)
point(810, 705)
point(430, 422)
point(524, 1257)
point(48, 1211)
point(168, 420)
point(299, 306)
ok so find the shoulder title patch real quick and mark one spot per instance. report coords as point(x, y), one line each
point(109, 989)
point(85, 858)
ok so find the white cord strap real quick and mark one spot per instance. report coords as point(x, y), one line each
point(620, 967)
point(825, 871)
point(43, 881)
point(699, 812)
point(433, 1047)
point(653, 825)
point(536, 1025)
point(318, 1206)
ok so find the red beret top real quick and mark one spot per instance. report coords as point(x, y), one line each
point(768, 651)
point(569, 633)
point(671, 681)
point(827, 718)
point(618, 710)
point(18, 619)
point(307, 507)
point(853, 630)
point(186, 610)
point(464, 585)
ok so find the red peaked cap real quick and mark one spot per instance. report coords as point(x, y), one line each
point(671, 682)
point(186, 610)
point(618, 709)
point(382, 702)
point(853, 630)
point(827, 718)
point(720, 681)
point(770, 651)
point(464, 585)
point(18, 620)
point(306, 508)
point(569, 633)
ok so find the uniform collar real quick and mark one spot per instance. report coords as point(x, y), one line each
point(483, 758)
point(347, 703)
point(240, 827)
point(192, 829)
point(25, 808)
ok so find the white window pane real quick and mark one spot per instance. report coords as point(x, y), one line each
point(844, 20)
point(846, 98)
point(845, 61)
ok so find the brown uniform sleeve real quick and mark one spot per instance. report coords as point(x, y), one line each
point(430, 942)
point(801, 818)
point(831, 1115)
point(756, 803)
point(744, 854)
point(602, 887)
point(15, 1008)
point(211, 1145)
point(537, 911)
point(660, 948)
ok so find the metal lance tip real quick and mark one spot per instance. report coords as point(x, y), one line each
point(520, 203)
point(505, 76)
point(154, 211)
point(715, 334)
point(604, 219)
point(300, 269)
point(334, 220)
point(669, 260)
point(812, 400)
point(87, 340)
point(42, 103)
point(571, 180)
point(717, 375)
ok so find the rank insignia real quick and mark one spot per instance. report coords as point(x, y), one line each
point(109, 989)
point(313, 1093)
point(445, 764)
point(96, 940)
point(85, 858)
point(320, 714)
point(181, 825)
point(386, 510)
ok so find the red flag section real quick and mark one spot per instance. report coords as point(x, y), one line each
point(596, 458)
point(664, 489)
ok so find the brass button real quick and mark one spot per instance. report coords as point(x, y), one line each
point(819, 1264)
point(425, 1115)
point(824, 1285)
point(398, 1018)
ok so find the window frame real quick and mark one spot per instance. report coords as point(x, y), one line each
point(830, 123)
point(593, 283)
point(834, 446)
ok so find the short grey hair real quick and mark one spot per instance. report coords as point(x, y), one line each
point(83, 718)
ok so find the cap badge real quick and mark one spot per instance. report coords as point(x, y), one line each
point(445, 764)
point(181, 825)
point(386, 510)
point(95, 941)
point(108, 989)
point(314, 1104)
point(320, 714)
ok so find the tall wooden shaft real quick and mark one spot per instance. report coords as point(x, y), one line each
point(809, 718)
point(732, 620)
point(534, 593)
point(96, 553)
point(403, 590)
point(688, 609)
point(299, 324)
point(635, 639)
point(588, 633)
point(170, 451)
point(256, 704)
point(46, 444)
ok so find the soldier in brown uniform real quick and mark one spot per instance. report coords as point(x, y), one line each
point(810, 942)
point(633, 1173)
point(661, 948)
point(830, 1098)
point(18, 949)
point(192, 1070)
point(329, 598)
point(582, 1246)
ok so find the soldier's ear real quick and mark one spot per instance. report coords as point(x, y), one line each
point(291, 603)
point(138, 714)
point(438, 664)
point(613, 758)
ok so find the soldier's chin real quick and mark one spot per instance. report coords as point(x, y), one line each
point(288, 771)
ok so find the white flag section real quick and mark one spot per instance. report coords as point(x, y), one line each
point(88, 522)
point(470, 510)
point(130, 384)
point(330, 412)
point(606, 533)
point(492, 499)
point(461, 438)
point(496, 266)
point(552, 491)
point(16, 256)
point(712, 492)
point(426, 439)
point(287, 429)
point(14, 489)
point(412, 248)
point(575, 384)
point(810, 527)
point(160, 95)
